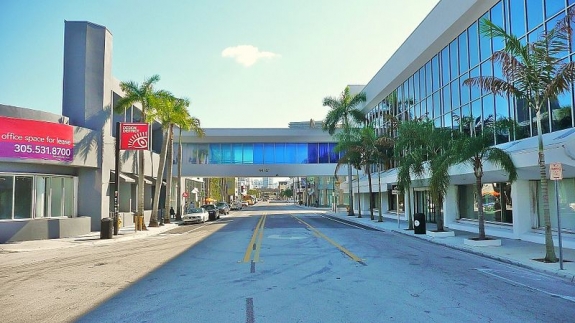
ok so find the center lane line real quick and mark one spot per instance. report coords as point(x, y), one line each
point(335, 244)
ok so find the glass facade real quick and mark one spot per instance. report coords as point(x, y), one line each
point(36, 196)
point(496, 199)
point(261, 153)
point(436, 91)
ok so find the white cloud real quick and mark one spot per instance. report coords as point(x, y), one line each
point(247, 55)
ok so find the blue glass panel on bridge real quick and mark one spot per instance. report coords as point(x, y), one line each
point(237, 154)
point(226, 153)
point(323, 153)
point(248, 154)
point(269, 153)
point(291, 154)
point(215, 156)
point(280, 156)
point(301, 154)
point(258, 153)
point(312, 153)
point(333, 156)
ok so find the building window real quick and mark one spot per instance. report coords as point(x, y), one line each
point(496, 199)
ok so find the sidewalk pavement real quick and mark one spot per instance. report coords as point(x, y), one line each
point(517, 252)
point(92, 238)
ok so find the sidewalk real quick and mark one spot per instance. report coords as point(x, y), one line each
point(517, 252)
point(92, 238)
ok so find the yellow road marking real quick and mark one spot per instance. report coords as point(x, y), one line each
point(335, 244)
point(255, 242)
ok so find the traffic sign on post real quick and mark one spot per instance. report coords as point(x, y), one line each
point(556, 171)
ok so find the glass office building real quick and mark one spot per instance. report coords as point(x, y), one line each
point(424, 79)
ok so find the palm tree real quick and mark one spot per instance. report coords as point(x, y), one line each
point(475, 149)
point(350, 157)
point(422, 148)
point(187, 123)
point(535, 73)
point(168, 109)
point(343, 111)
point(142, 94)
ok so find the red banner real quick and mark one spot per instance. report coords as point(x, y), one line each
point(134, 136)
point(31, 139)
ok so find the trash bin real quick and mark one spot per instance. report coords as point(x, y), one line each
point(419, 223)
point(107, 228)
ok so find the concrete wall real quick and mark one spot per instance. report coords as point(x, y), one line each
point(47, 228)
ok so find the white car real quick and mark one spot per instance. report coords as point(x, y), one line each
point(195, 215)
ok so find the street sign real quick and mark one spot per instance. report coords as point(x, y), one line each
point(394, 192)
point(556, 171)
point(185, 194)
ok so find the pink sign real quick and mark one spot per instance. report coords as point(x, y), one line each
point(31, 139)
point(133, 136)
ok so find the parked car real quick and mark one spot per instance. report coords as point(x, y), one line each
point(212, 211)
point(236, 205)
point(195, 215)
point(223, 208)
point(245, 204)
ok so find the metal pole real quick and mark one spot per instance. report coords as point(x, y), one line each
point(559, 226)
point(117, 180)
point(397, 208)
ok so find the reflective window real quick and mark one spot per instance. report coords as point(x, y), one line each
point(23, 204)
point(269, 153)
point(534, 13)
point(280, 150)
point(453, 54)
point(302, 153)
point(258, 153)
point(445, 76)
point(215, 154)
point(447, 98)
point(455, 94)
point(463, 53)
point(428, 78)
point(465, 90)
point(496, 200)
point(312, 153)
point(475, 90)
point(518, 17)
point(473, 38)
point(553, 6)
point(333, 157)
point(435, 72)
point(324, 153)
point(485, 44)
point(436, 106)
point(497, 18)
point(291, 153)
point(226, 153)
point(248, 153)
point(6, 196)
point(237, 154)
point(562, 111)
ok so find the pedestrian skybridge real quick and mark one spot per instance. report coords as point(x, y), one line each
point(283, 152)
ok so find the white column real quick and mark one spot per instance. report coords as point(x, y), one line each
point(523, 207)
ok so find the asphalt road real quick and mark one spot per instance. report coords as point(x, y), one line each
point(281, 263)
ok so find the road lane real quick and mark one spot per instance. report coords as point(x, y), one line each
point(302, 277)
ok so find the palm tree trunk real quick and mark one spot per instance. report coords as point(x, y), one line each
point(380, 217)
point(358, 197)
point(550, 255)
point(438, 215)
point(350, 190)
point(170, 164)
point(159, 179)
point(410, 213)
point(179, 199)
point(140, 212)
point(480, 215)
point(372, 217)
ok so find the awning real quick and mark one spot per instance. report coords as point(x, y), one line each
point(125, 178)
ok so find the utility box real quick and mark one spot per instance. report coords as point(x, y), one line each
point(419, 223)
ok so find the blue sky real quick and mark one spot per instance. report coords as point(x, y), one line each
point(242, 64)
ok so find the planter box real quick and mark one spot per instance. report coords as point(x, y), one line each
point(440, 234)
point(483, 243)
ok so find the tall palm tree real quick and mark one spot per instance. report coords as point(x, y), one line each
point(350, 157)
point(475, 149)
point(535, 73)
point(168, 109)
point(186, 123)
point(343, 111)
point(143, 94)
point(423, 149)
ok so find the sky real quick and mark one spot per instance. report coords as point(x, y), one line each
point(241, 63)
